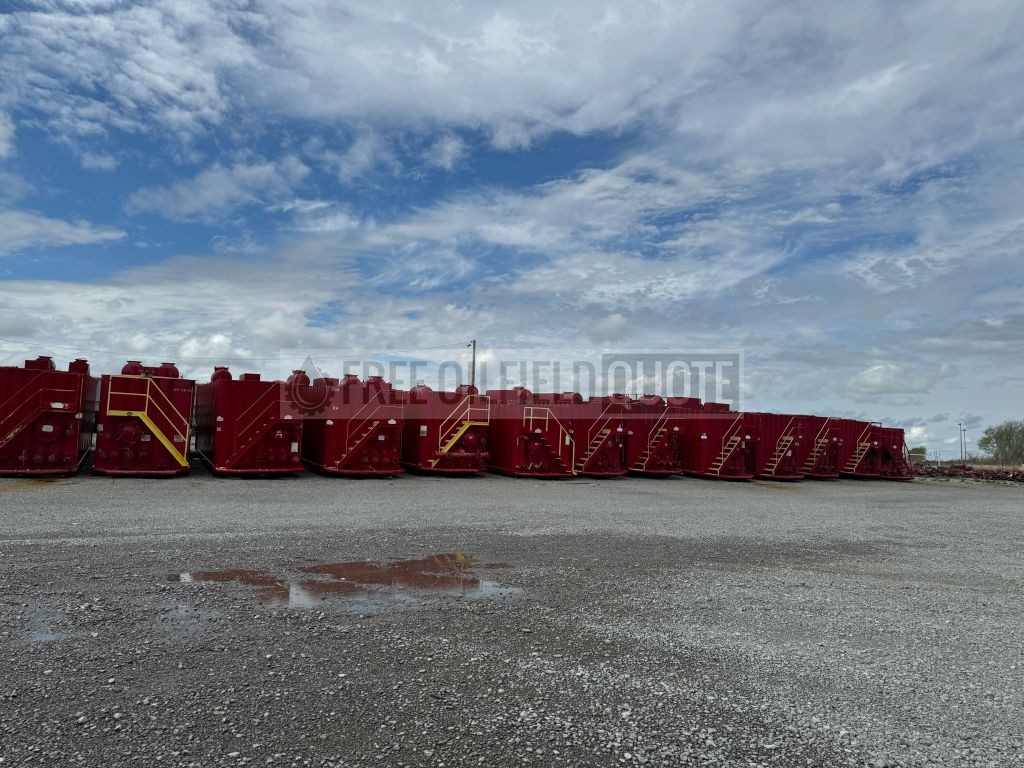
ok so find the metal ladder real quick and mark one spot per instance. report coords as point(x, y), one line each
point(257, 427)
point(465, 414)
point(863, 446)
point(780, 450)
point(820, 444)
point(728, 447)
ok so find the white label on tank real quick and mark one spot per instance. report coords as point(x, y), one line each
point(295, 447)
point(99, 427)
point(703, 435)
point(179, 439)
point(392, 421)
point(287, 417)
point(78, 415)
point(220, 418)
point(381, 437)
point(423, 430)
point(146, 438)
point(789, 453)
point(47, 427)
point(329, 423)
point(57, 406)
point(568, 439)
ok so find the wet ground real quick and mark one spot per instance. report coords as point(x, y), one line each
point(490, 621)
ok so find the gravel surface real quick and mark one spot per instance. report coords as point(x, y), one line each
point(490, 622)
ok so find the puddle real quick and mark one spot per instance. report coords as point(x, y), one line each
point(42, 627)
point(366, 586)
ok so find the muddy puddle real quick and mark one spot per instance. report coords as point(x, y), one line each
point(365, 586)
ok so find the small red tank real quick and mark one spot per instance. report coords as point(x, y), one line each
point(719, 444)
point(144, 424)
point(818, 453)
point(869, 450)
point(525, 439)
point(654, 435)
point(246, 426)
point(47, 417)
point(445, 432)
point(777, 450)
point(350, 427)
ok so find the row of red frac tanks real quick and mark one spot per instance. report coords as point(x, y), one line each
point(148, 421)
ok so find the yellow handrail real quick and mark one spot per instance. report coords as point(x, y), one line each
point(462, 413)
point(181, 456)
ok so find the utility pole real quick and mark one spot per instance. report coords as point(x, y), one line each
point(472, 365)
point(963, 441)
point(960, 435)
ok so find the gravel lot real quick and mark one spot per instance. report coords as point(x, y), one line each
point(308, 621)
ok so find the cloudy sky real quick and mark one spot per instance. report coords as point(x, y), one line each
point(835, 188)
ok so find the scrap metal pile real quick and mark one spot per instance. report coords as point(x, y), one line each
point(969, 472)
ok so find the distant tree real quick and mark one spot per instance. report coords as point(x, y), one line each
point(1004, 442)
point(918, 454)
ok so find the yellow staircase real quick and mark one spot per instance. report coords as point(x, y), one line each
point(596, 443)
point(462, 418)
point(723, 456)
point(855, 459)
point(601, 432)
point(863, 446)
point(645, 456)
point(155, 410)
point(780, 450)
point(658, 433)
point(820, 445)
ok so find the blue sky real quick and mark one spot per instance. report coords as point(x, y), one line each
point(834, 188)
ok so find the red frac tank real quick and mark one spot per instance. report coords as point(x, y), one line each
point(445, 432)
point(247, 426)
point(47, 417)
point(144, 423)
point(350, 427)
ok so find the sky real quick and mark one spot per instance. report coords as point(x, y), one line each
point(836, 189)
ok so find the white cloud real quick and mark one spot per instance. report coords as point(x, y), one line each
point(365, 154)
point(611, 328)
point(446, 152)
point(6, 136)
point(97, 161)
point(21, 230)
point(95, 69)
point(762, 83)
point(893, 379)
point(220, 189)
